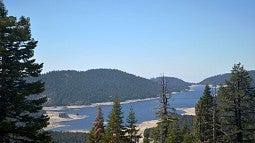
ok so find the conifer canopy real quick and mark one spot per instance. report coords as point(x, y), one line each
point(21, 115)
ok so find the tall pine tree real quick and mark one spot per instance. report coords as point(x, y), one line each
point(115, 131)
point(21, 116)
point(204, 116)
point(166, 114)
point(96, 134)
point(132, 132)
point(236, 106)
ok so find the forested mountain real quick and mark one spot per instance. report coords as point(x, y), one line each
point(99, 85)
point(173, 84)
point(220, 79)
point(102, 85)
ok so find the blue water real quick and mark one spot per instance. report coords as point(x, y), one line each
point(144, 110)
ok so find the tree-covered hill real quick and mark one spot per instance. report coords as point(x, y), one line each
point(173, 84)
point(220, 79)
point(98, 85)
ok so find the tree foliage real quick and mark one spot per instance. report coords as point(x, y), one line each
point(132, 133)
point(220, 79)
point(174, 134)
point(97, 132)
point(98, 85)
point(115, 131)
point(68, 137)
point(147, 135)
point(173, 84)
point(178, 131)
point(21, 116)
point(166, 114)
point(187, 136)
point(236, 105)
point(204, 116)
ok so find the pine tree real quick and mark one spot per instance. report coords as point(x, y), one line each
point(146, 136)
point(188, 138)
point(166, 115)
point(174, 134)
point(96, 134)
point(236, 105)
point(187, 135)
point(204, 116)
point(115, 131)
point(132, 131)
point(21, 115)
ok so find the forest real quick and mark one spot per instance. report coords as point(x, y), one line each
point(220, 79)
point(100, 85)
point(67, 137)
point(225, 115)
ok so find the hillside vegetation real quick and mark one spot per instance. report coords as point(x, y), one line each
point(220, 79)
point(100, 85)
point(173, 84)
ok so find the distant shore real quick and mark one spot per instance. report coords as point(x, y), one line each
point(146, 125)
point(187, 111)
point(52, 108)
point(55, 108)
point(56, 120)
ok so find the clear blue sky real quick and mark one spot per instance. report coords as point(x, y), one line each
point(188, 39)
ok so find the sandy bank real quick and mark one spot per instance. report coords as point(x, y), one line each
point(55, 120)
point(55, 108)
point(187, 111)
point(52, 108)
point(146, 125)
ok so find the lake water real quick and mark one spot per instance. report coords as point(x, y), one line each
point(144, 110)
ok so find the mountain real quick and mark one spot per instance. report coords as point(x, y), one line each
point(220, 79)
point(173, 84)
point(97, 85)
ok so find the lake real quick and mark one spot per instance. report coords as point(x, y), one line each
point(144, 110)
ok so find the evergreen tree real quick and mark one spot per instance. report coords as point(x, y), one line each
point(132, 131)
point(174, 134)
point(204, 116)
point(166, 114)
point(146, 136)
point(115, 132)
point(21, 116)
point(187, 135)
point(95, 136)
point(236, 105)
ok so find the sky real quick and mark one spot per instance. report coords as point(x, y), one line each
point(188, 39)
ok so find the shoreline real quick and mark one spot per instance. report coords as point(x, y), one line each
point(187, 111)
point(146, 125)
point(55, 108)
point(55, 121)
